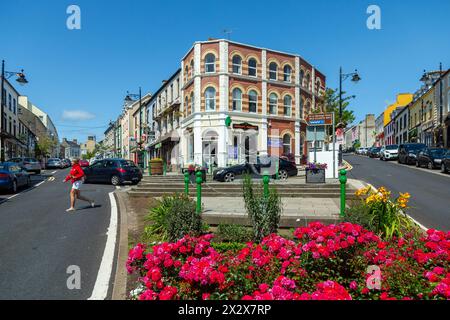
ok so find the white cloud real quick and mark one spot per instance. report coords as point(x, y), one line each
point(77, 115)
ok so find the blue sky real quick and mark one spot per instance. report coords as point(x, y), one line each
point(80, 77)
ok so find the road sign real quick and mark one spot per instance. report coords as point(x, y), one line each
point(320, 119)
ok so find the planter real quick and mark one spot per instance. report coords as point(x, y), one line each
point(156, 167)
point(315, 175)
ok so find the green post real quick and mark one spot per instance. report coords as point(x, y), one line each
point(266, 185)
point(343, 181)
point(149, 167)
point(199, 180)
point(186, 183)
point(164, 168)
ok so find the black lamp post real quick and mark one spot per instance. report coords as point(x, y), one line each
point(22, 81)
point(342, 77)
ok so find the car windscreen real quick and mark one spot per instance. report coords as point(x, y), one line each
point(392, 147)
point(414, 147)
point(437, 152)
point(127, 163)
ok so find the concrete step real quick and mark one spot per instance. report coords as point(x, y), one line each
point(137, 194)
point(237, 184)
point(232, 189)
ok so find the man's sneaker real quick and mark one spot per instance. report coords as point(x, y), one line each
point(70, 209)
point(93, 204)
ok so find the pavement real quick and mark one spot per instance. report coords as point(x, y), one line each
point(429, 189)
point(39, 240)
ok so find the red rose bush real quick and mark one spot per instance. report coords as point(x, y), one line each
point(323, 262)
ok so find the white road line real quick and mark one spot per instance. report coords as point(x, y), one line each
point(39, 184)
point(54, 172)
point(104, 273)
point(14, 195)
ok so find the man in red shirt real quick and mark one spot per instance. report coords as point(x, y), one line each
point(76, 176)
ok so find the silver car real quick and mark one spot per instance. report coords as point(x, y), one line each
point(30, 164)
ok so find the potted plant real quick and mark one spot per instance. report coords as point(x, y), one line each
point(156, 165)
point(315, 172)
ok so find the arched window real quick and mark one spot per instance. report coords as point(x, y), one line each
point(302, 102)
point(286, 144)
point(273, 71)
point(308, 81)
point(287, 71)
point(237, 99)
point(252, 101)
point(186, 73)
point(186, 105)
point(302, 76)
point(308, 107)
point(318, 84)
point(210, 63)
point(192, 68)
point(237, 64)
point(210, 99)
point(252, 67)
point(273, 103)
point(287, 105)
point(192, 102)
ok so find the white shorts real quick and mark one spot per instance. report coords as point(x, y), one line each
point(77, 185)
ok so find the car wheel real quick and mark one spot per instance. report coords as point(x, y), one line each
point(430, 165)
point(443, 168)
point(14, 186)
point(283, 175)
point(229, 177)
point(115, 180)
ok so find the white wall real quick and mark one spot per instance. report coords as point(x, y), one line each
point(327, 157)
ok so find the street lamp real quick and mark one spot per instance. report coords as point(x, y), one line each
point(342, 77)
point(22, 81)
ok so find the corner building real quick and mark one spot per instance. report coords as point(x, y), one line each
point(266, 93)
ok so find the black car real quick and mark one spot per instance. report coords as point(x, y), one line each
point(374, 152)
point(114, 171)
point(445, 163)
point(430, 157)
point(263, 164)
point(407, 152)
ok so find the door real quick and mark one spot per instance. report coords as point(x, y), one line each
point(94, 172)
point(110, 167)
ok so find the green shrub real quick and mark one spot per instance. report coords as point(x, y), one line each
point(173, 218)
point(182, 218)
point(264, 213)
point(223, 247)
point(233, 233)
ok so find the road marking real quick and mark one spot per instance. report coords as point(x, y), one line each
point(14, 195)
point(118, 187)
point(54, 172)
point(51, 179)
point(39, 184)
point(104, 273)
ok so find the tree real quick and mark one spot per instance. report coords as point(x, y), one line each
point(331, 101)
point(45, 146)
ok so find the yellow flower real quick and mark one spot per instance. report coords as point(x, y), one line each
point(362, 191)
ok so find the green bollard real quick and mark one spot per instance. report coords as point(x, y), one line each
point(343, 181)
point(186, 183)
point(266, 185)
point(277, 175)
point(149, 168)
point(199, 180)
point(164, 168)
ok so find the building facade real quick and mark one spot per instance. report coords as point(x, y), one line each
point(265, 93)
point(88, 146)
point(70, 149)
point(379, 130)
point(109, 142)
point(401, 120)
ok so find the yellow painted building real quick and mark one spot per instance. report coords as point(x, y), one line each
point(403, 99)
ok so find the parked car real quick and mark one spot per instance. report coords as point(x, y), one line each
point(84, 163)
point(53, 163)
point(13, 176)
point(286, 169)
point(114, 171)
point(407, 153)
point(445, 163)
point(374, 152)
point(389, 152)
point(67, 163)
point(31, 164)
point(360, 151)
point(430, 157)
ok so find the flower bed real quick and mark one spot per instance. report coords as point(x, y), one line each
point(322, 263)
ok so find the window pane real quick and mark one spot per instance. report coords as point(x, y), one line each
point(237, 61)
point(287, 73)
point(252, 101)
point(210, 99)
point(273, 99)
point(287, 105)
point(273, 71)
point(237, 99)
point(252, 67)
point(210, 61)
